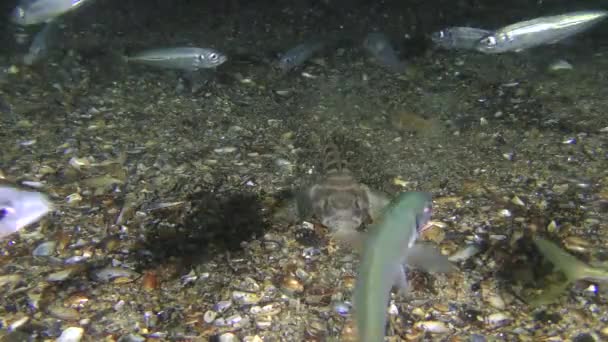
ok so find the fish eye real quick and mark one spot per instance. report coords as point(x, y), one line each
point(3, 213)
point(490, 41)
point(213, 56)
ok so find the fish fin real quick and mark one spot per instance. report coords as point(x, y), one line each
point(549, 295)
point(377, 202)
point(400, 280)
point(573, 268)
point(427, 257)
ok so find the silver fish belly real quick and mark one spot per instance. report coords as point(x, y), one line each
point(19, 208)
point(540, 31)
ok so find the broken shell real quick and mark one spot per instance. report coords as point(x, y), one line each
point(291, 285)
point(116, 274)
point(435, 327)
point(576, 244)
point(517, 201)
point(498, 319)
point(79, 163)
point(245, 298)
point(63, 313)
point(63, 274)
point(76, 300)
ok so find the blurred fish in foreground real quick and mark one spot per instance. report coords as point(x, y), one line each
point(540, 31)
point(42, 43)
point(19, 208)
point(390, 245)
point(180, 58)
point(379, 46)
point(459, 37)
point(33, 12)
point(573, 269)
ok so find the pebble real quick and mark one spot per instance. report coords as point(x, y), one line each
point(225, 150)
point(209, 316)
point(71, 334)
point(228, 337)
point(342, 308)
point(44, 249)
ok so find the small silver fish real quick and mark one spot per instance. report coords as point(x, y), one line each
point(459, 37)
point(299, 54)
point(180, 58)
point(385, 251)
point(33, 12)
point(540, 31)
point(379, 46)
point(41, 44)
point(19, 208)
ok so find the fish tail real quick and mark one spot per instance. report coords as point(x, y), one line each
point(573, 268)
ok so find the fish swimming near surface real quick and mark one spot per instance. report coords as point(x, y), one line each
point(459, 37)
point(33, 12)
point(339, 201)
point(379, 46)
point(19, 208)
point(187, 59)
point(540, 31)
point(385, 251)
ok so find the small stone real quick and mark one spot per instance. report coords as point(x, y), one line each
point(71, 334)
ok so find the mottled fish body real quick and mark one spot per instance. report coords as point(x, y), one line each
point(338, 200)
point(385, 251)
point(540, 31)
point(299, 54)
point(459, 37)
point(379, 46)
point(33, 12)
point(180, 58)
point(19, 208)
